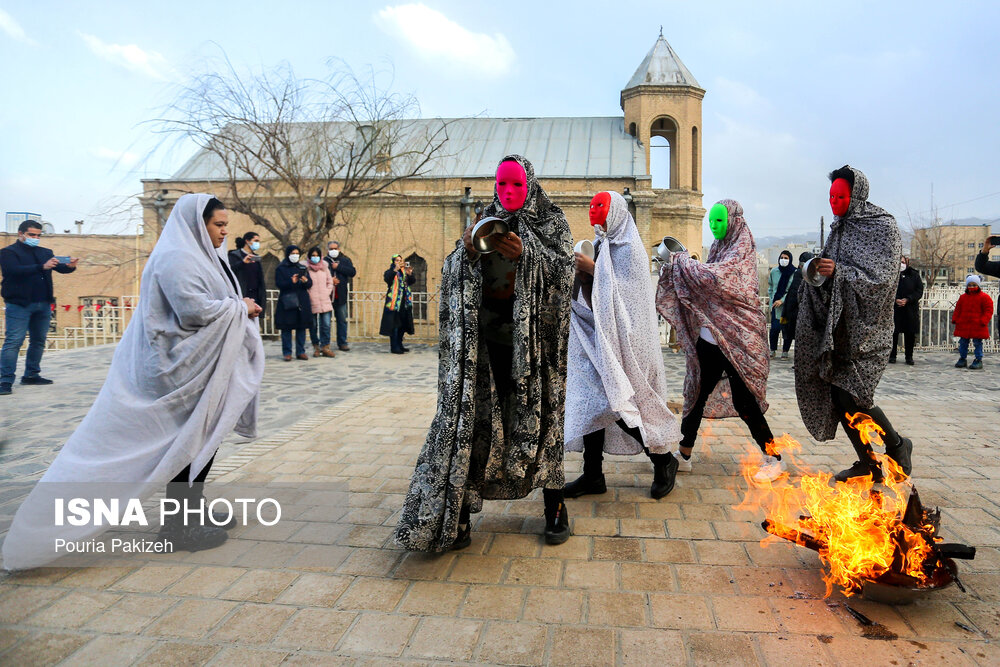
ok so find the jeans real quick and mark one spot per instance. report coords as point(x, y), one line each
point(396, 339)
point(340, 310)
point(909, 340)
point(323, 319)
point(286, 341)
point(713, 364)
point(963, 348)
point(31, 320)
point(776, 329)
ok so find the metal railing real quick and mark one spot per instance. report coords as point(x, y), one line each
point(105, 324)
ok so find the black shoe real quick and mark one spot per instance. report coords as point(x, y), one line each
point(909, 362)
point(976, 365)
point(901, 454)
point(858, 469)
point(396, 352)
point(664, 475)
point(35, 380)
point(344, 348)
point(192, 538)
point(585, 486)
point(5, 388)
point(463, 539)
point(556, 524)
point(405, 349)
point(892, 360)
point(960, 363)
point(224, 520)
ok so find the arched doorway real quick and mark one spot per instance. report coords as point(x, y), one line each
point(663, 149)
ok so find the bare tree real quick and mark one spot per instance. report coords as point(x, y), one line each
point(295, 154)
point(933, 246)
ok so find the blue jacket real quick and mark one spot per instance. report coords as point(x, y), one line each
point(24, 280)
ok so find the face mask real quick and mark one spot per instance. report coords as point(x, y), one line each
point(840, 197)
point(902, 267)
point(599, 206)
point(334, 253)
point(314, 260)
point(512, 185)
point(33, 242)
point(255, 246)
point(782, 262)
point(294, 258)
point(718, 221)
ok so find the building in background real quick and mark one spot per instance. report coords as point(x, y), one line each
point(15, 218)
point(945, 254)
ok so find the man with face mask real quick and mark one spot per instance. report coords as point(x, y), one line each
point(906, 311)
point(504, 328)
point(343, 272)
point(616, 389)
point(27, 292)
point(844, 329)
point(713, 307)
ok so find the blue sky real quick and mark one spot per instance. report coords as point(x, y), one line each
point(905, 91)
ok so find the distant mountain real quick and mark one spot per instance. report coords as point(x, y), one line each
point(769, 241)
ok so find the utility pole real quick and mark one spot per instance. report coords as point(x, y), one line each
point(822, 232)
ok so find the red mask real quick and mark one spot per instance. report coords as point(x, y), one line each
point(840, 196)
point(512, 185)
point(599, 207)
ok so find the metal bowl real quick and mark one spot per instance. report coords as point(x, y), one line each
point(484, 232)
point(877, 591)
point(667, 246)
point(585, 248)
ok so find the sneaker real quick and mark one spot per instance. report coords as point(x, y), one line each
point(774, 353)
point(5, 388)
point(585, 486)
point(960, 363)
point(858, 469)
point(771, 470)
point(976, 365)
point(683, 464)
point(784, 355)
point(40, 380)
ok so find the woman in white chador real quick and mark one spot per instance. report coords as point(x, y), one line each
point(186, 373)
point(616, 391)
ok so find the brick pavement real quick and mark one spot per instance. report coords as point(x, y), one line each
point(683, 580)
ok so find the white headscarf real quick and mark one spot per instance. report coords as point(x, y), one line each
point(185, 374)
point(615, 366)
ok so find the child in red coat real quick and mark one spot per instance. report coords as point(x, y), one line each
point(971, 319)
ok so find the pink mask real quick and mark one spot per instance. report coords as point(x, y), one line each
point(512, 185)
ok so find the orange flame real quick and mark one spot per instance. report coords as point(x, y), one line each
point(855, 527)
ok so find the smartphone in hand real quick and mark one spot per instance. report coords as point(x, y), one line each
point(63, 259)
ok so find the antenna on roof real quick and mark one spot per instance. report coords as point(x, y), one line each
point(661, 31)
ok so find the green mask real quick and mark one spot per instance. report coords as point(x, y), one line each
point(718, 221)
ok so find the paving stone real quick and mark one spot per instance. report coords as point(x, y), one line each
point(317, 629)
point(43, 648)
point(616, 609)
point(253, 624)
point(445, 639)
point(131, 614)
point(315, 590)
point(260, 585)
point(553, 605)
point(499, 602)
point(380, 634)
point(680, 612)
point(191, 619)
point(718, 649)
point(513, 644)
point(651, 647)
point(110, 651)
point(433, 598)
point(173, 653)
point(584, 574)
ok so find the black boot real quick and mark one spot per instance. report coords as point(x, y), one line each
point(664, 474)
point(865, 465)
point(556, 518)
point(901, 454)
point(584, 485)
point(592, 479)
point(193, 537)
point(464, 537)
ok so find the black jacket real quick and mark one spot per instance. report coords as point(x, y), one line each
point(296, 295)
point(906, 318)
point(986, 267)
point(344, 272)
point(24, 280)
point(790, 308)
point(250, 276)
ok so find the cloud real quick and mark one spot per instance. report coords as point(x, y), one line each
point(435, 37)
point(13, 29)
point(124, 158)
point(147, 63)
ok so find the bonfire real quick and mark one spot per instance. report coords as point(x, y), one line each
point(866, 530)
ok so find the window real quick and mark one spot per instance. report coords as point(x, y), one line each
point(419, 288)
point(100, 313)
point(52, 320)
point(972, 258)
point(972, 245)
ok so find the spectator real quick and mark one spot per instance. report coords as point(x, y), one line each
point(27, 291)
point(906, 311)
point(790, 308)
point(294, 309)
point(397, 316)
point(972, 320)
point(983, 263)
point(343, 275)
point(245, 263)
point(777, 290)
point(320, 298)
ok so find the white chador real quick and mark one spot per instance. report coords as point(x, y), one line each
point(186, 373)
point(615, 368)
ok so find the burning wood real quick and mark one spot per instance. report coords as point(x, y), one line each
point(864, 529)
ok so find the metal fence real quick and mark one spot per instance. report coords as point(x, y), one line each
point(104, 323)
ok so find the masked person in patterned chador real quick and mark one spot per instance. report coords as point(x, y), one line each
point(616, 389)
point(504, 325)
point(714, 308)
point(844, 330)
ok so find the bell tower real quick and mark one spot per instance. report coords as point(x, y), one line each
point(662, 104)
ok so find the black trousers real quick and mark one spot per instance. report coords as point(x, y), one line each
point(787, 334)
point(909, 340)
point(713, 364)
point(178, 488)
point(593, 449)
point(847, 404)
